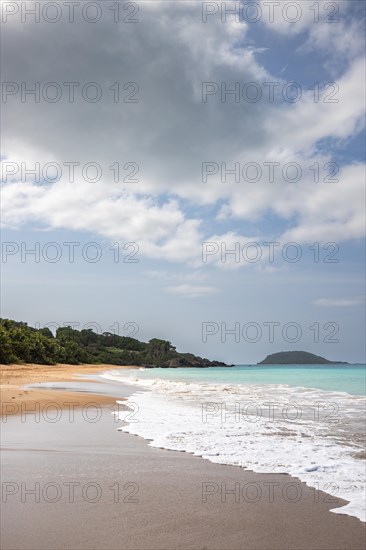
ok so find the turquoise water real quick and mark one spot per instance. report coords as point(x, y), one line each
point(223, 414)
point(346, 378)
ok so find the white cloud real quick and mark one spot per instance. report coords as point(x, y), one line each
point(338, 302)
point(333, 211)
point(333, 28)
point(192, 291)
point(170, 132)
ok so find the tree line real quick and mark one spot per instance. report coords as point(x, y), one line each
point(20, 343)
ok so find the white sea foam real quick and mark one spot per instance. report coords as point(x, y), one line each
point(310, 434)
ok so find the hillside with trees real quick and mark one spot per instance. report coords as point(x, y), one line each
point(296, 358)
point(20, 343)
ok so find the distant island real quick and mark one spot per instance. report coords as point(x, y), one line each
point(20, 343)
point(297, 358)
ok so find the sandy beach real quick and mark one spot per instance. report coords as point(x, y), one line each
point(15, 399)
point(80, 483)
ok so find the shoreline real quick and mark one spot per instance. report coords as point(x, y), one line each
point(128, 495)
point(149, 498)
point(17, 399)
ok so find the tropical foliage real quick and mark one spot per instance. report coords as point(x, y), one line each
point(20, 343)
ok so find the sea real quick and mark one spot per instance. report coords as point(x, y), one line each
point(308, 421)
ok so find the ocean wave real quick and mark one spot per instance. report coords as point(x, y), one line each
point(313, 435)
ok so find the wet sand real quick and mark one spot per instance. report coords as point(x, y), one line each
point(79, 483)
point(15, 399)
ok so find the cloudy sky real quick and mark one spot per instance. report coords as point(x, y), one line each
point(186, 172)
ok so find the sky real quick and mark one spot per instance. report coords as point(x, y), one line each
point(192, 171)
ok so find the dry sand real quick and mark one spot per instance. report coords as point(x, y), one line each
point(149, 499)
point(15, 399)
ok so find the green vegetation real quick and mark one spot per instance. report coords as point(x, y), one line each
point(295, 358)
point(20, 343)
